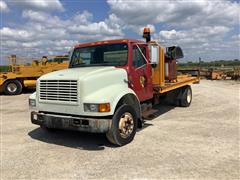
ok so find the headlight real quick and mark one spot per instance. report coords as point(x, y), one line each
point(91, 107)
point(32, 102)
point(105, 107)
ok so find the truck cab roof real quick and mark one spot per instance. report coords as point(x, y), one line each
point(108, 42)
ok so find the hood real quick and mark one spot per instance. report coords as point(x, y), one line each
point(76, 73)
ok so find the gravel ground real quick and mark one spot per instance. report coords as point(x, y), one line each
point(199, 142)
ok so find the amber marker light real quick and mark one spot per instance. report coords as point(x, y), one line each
point(146, 34)
point(146, 30)
point(104, 107)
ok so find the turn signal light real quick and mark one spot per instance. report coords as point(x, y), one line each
point(104, 107)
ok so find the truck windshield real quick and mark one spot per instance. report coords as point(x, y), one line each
point(100, 55)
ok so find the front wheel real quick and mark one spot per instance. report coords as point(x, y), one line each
point(124, 126)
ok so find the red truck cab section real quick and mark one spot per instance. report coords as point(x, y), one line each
point(138, 68)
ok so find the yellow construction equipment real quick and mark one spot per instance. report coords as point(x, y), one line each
point(21, 76)
point(217, 74)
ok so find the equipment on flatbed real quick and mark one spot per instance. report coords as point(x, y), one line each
point(172, 54)
point(21, 76)
point(108, 86)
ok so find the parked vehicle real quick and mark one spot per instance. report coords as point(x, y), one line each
point(107, 86)
point(21, 76)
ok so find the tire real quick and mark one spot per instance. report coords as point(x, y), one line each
point(12, 87)
point(124, 119)
point(186, 97)
point(172, 97)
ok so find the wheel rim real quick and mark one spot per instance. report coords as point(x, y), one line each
point(12, 87)
point(126, 125)
point(189, 96)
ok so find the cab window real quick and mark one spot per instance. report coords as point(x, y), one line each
point(138, 59)
point(100, 55)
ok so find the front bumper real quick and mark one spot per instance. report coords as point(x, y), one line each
point(71, 123)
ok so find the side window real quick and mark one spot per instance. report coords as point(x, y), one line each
point(138, 59)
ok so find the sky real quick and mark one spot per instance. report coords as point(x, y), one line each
point(34, 28)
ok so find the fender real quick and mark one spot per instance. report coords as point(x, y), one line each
point(111, 94)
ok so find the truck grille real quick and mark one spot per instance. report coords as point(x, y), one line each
point(58, 90)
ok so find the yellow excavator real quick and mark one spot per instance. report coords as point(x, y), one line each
point(20, 76)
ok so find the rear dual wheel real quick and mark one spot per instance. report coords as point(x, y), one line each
point(186, 96)
point(124, 126)
point(180, 97)
point(12, 87)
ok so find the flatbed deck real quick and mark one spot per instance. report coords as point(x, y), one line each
point(182, 80)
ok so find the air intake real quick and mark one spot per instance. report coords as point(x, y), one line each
point(59, 90)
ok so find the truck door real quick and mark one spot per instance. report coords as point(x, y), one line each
point(141, 72)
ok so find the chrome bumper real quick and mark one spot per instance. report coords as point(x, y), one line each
point(71, 123)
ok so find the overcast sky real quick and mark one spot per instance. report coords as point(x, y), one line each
point(206, 29)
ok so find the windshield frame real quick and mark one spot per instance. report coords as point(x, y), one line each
point(100, 64)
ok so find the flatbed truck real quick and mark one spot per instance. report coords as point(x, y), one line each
point(107, 85)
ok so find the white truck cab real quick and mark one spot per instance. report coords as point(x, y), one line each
point(86, 96)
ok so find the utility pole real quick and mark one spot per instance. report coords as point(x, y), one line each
point(199, 67)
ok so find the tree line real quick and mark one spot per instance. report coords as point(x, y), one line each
point(217, 63)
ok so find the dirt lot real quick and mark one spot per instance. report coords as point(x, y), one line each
point(198, 142)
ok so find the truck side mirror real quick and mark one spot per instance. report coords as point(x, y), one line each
point(154, 55)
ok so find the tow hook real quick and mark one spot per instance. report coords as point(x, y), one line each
point(79, 122)
point(76, 122)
